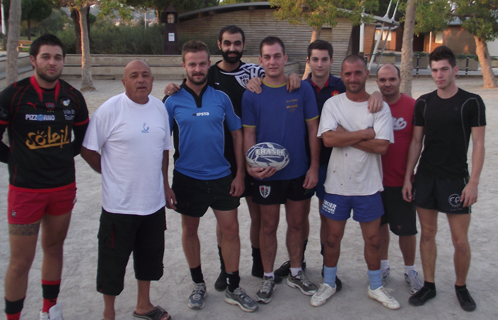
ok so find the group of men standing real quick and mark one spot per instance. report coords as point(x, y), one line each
point(363, 162)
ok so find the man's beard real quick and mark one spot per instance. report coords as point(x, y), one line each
point(233, 59)
point(48, 78)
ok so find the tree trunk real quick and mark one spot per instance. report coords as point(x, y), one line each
point(315, 35)
point(407, 48)
point(29, 29)
point(487, 72)
point(75, 15)
point(13, 41)
point(86, 62)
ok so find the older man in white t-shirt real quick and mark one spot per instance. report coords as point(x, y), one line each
point(132, 133)
point(354, 176)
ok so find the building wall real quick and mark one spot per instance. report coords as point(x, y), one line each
point(259, 23)
point(455, 38)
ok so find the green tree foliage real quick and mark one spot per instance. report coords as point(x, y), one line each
point(432, 15)
point(318, 12)
point(478, 17)
point(238, 1)
point(54, 23)
point(32, 10)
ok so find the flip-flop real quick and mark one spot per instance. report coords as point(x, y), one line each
point(155, 314)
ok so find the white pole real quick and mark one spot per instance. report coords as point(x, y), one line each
point(362, 37)
point(145, 19)
point(4, 30)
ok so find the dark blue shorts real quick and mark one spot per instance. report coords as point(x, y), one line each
point(365, 208)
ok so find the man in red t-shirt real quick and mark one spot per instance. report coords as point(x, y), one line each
point(398, 213)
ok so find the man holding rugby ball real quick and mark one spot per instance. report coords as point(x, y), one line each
point(282, 117)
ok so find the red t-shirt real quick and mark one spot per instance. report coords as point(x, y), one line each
point(394, 161)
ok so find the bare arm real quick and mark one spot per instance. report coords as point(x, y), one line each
point(249, 141)
point(237, 186)
point(372, 145)
point(342, 138)
point(311, 178)
point(92, 158)
point(413, 155)
point(168, 192)
point(378, 146)
point(469, 193)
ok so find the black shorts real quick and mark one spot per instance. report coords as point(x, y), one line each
point(278, 191)
point(400, 214)
point(439, 194)
point(194, 196)
point(121, 234)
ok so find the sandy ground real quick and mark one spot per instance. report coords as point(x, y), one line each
point(81, 301)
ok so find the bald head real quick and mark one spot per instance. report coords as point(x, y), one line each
point(137, 79)
point(391, 67)
point(389, 81)
point(135, 64)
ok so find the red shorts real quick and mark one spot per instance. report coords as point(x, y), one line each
point(26, 206)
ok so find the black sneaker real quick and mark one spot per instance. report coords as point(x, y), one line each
point(221, 282)
point(421, 296)
point(284, 270)
point(465, 299)
point(338, 284)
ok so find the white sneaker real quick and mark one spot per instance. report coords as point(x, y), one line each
point(320, 297)
point(382, 295)
point(413, 281)
point(55, 313)
point(385, 274)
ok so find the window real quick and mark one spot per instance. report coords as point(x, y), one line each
point(377, 34)
point(439, 37)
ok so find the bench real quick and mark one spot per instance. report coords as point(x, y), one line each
point(24, 44)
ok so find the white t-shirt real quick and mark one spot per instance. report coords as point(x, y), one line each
point(131, 138)
point(353, 172)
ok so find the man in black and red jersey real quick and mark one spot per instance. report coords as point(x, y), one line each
point(40, 114)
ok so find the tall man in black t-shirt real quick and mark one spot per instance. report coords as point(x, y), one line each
point(40, 113)
point(445, 120)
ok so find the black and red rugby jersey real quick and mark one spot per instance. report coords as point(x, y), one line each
point(40, 123)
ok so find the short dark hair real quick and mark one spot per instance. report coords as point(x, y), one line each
point(320, 45)
point(194, 46)
point(389, 64)
point(231, 29)
point(46, 39)
point(352, 58)
point(442, 53)
point(271, 40)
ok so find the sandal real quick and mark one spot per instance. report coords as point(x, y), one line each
point(155, 314)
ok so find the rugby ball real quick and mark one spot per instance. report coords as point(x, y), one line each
point(267, 154)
